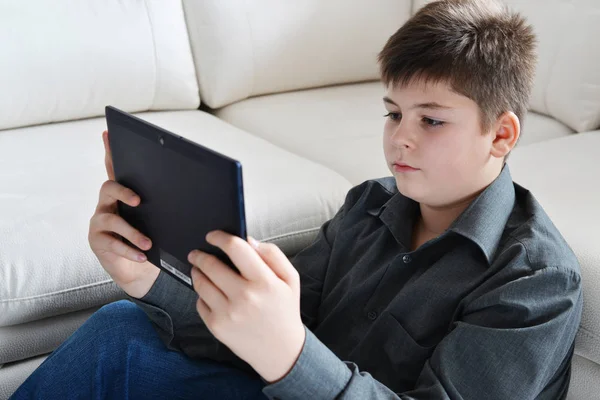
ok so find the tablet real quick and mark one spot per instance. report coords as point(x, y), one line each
point(186, 191)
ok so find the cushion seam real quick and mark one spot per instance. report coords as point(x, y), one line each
point(288, 235)
point(60, 292)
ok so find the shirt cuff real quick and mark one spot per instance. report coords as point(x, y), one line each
point(150, 304)
point(317, 374)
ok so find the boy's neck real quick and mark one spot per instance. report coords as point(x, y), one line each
point(435, 220)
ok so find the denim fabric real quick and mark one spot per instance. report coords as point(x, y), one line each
point(116, 354)
point(488, 310)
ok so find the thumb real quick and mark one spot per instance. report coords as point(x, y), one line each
point(277, 261)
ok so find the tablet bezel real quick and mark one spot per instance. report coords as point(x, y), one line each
point(116, 120)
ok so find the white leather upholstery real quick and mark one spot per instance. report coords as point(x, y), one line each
point(538, 127)
point(567, 82)
point(341, 127)
point(13, 375)
point(50, 177)
point(64, 60)
point(39, 337)
point(585, 384)
point(244, 48)
point(563, 175)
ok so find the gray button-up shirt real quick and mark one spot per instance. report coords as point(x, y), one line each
point(488, 310)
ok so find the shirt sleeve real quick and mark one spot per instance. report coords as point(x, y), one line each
point(172, 308)
point(515, 341)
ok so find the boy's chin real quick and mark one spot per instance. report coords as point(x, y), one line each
point(419, 192)
point(410, 190)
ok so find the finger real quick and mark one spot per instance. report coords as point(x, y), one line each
point(212, 296)
point(106, 242)
point(220, 274)
point(108, 164)
point(111, 192)
point(277, 261)
point(243, 256)
point(113, 223)
point(203, 310)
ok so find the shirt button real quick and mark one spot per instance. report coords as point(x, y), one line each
point(372, 315)
point(406, 259)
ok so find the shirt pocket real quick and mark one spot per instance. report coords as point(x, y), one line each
point(394, 357)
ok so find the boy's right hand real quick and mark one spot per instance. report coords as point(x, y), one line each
point(133, 274)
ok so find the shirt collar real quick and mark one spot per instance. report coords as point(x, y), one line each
point(398, 214)
point(482, 222)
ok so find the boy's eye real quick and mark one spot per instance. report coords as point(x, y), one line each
point(432, 122)
point(393, 116)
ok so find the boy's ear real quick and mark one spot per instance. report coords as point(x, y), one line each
point(506, 131)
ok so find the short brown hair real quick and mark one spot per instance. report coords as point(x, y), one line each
point(480, 48)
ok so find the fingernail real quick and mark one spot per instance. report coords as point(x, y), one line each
point(253, 242)
point(146, 242)
point(141, 257)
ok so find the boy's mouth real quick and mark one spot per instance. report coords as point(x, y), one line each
point(403, 167)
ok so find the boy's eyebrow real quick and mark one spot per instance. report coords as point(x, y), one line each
point(388, 100)
point(430, 105)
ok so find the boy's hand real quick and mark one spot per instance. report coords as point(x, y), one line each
point(134, 275)
point(255, 314)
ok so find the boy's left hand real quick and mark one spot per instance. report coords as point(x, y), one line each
point(255, 314)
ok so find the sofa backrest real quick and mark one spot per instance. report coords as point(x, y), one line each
point(567, 82)
point(67, 59)
point(245, 48)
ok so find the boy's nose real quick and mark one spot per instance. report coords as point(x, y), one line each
point(402, 137)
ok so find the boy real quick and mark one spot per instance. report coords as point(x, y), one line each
point(444, 281)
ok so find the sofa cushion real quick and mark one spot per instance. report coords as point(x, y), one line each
point(64, 60)
point(584, 384)
point(50, 177)
point(347, 123)
point(538, 128)
point(244, 48)
point(340, 127)
point(35, 338)
point(563, 175)
point(567, 81)
point(14, 374)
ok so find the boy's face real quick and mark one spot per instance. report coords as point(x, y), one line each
point(437, 132)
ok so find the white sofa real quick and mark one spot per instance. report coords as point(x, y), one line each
point(287, 87)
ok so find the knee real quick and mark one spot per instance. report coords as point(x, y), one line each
point(119, 315)
point(118, 309)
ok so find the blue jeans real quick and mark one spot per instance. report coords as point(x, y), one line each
point(117, 354)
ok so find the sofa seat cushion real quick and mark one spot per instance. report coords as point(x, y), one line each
point(23, 341)
point(14, 374)
point(585, 384)
point(563, 175)
point(341, 127)
point(50, 178)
